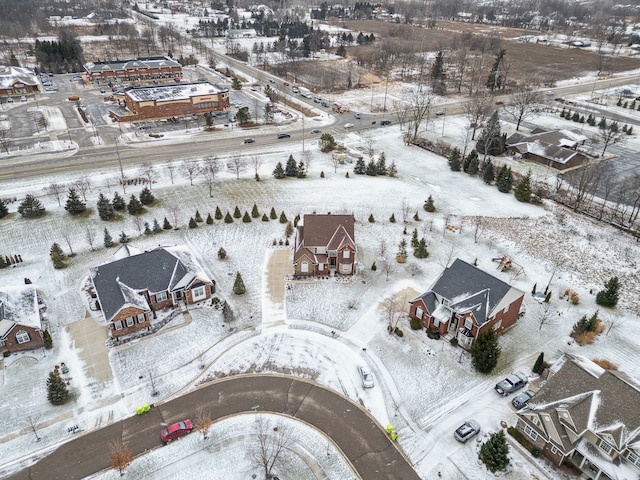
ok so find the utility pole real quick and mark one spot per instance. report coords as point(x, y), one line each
point(303, 133)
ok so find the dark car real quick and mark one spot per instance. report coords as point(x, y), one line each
point(513, 382)
point(522, 399)
point(315, 130)
point(467, 431)
point(385, 122)
point(176, 430)
point(284, 135)
point(249, 140)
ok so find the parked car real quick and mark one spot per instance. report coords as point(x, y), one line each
point(365, 377)
point(284, 135)
point(467, 431)
point(144, 126)
point(348, 125)
point(324, 103)
point(249, 140)
point(103, 90)
point(499, 102)
point(9, 100)
point(357, 115)
point(385, 122)
point(513, 382)
point(317, 100)
point(23, 98)
point(315, 130)
point(522, 399)
point(176, 430)
point(439, 114)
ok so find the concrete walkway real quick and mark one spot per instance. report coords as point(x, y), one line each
point(89, 337)
point(277, 266)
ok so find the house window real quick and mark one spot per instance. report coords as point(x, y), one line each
point(117, 325)
point(535, 420)
point(130, 322)
point(346, 254)
point(506, 309)
point(304, 267)
point(321, 266)
point(531, 432)
point(198, 293)
point(161, 297)
point(22, 337)
point(141, 318)
point(497, 325)
point(554, 450)
point(468, 323)
point(633, 458)
point(605, 446)
point(419, 313)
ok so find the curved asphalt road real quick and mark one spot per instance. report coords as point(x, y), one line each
point(365, 445)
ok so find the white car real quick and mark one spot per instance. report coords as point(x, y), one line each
point(348, 125)
point(365, 377)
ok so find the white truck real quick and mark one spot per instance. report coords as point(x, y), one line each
point(305, 92)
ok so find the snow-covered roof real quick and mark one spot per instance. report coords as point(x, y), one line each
point(556, 145)
point(167, 93)
point(131, 64)
point(10, 75)
point(319, 230)
point(18, 306)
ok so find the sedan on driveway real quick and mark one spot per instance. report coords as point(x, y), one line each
point(522, 399)
point(176, 430)
point(467, 431)
point(365, 376)
point(513, 382)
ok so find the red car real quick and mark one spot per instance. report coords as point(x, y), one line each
point(176, 430)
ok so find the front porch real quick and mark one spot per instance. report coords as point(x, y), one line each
point(588, 466)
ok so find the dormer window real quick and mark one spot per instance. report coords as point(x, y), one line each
point(605, 447)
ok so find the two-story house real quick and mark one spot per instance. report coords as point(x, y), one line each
point(466, 301)
point(588, 416)
point(131, 289)
point(325, 245)
point(21, 325)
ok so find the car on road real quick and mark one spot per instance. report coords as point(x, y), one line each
point(522, 399)
point(9, 100)
point(513, 382)
point(23, 98)
point(499, 102)
point(103, 90)
point(467, 431)
point(559, 99)
point(549, 92)
point(317, 100)
point(348, 125)
point(324, 103)
point(385, 122)
point(356, 115)
point(271, 80)
point(284, 135)
point(286, 84)
point(439, 114)
point(176, 430)
point(249, 140)
point(315, 130)
point(365, 377)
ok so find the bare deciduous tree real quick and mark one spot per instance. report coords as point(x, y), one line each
point(121, 457)
point(173, 212)
point(545, 314)
point(392, 311)
point(256, 162)
point(237, 165)
point(90, 235)
point(83, 185)
point(190, 169)
point(153, 381)
point(406, 211)
point(139, 223)
point(33, 425)
point(306, 157)
point(65, 233)
point(271, 441)
point(387, 268)
point(203, 421)
point(55, 190)
point(382, 249)
point(477, 110)
point(6, 142)
point(523, 104)
point(210, 168)
point(171, 168)
point(148, 171)
point(420, 101)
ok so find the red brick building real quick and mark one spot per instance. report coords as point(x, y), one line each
point(17, 81)
point(148, 68)
point(21, 326)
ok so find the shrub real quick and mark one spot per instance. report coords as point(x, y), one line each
point(415, 324)
point(454, 341)
point(433, 334)
point(606, 364)
point(398, 332)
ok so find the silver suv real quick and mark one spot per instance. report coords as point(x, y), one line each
point(513, 382)
point(467, 431)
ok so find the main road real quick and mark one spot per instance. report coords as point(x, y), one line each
point(353, 430)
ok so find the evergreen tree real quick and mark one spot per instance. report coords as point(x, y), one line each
point(222, 254)
point(371, 169)
point(123, 238)
point(228, 218)
point(227, 312)
point(198, 217)
point(491, 141)
point(496, 76)
point(192, 223)
point(74, 205)
point(421, 250)
point(4, 210)
point(48, 341)
point(454, 160)
point(156, 226)
point(209, 220)
point(414, 238)
point(108, 241)
point(359, 168)
point(105, 209)
point(539, 365)
point(381, 166)
point(374, 267)
point(402, 249)
point(273, 214)
point(146, 197)
point(278, 172)
point(238, 285)
point(494, 453)
point(246, 218)
point(147, 228)
point(302, 170)
point(237, 213)
point(429, 206)
point(472, 157)
point(392, 218)
point(254, 211)
point(392, 171)
point(118, 202)
point(609, 296)
point(474, 166)
point(523, 190)
point(291, 169)
point(288, 231)
point(218, 214)
point(57, 393)
point(31, 207)
point(135, 207)
point(485, 351)
point(505, 179)
point(438, 75)
point(166, 225)
point(371, 219)
point(283, 217)
point(488, 174)
point(265, 218)
point(57, 257)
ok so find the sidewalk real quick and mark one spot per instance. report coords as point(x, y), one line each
point(278, 266)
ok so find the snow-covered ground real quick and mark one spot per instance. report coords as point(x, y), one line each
point(426, 388)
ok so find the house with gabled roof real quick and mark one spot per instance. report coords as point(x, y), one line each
point(325, 245)
point(588, 416)
point(21, 325)
point(17, 81)
point(465, 301)
point(555, 148)
point(132, 288)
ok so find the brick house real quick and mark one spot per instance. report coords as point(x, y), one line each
point(21, 326)
point(325, 245)
point(146, 68)
point(587, 416)
point(466, 301)
point(17, 81)
point(131, 289)
point(165, 101)
point(555, 148)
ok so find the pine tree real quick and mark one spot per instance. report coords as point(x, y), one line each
point(505, 179)
point(209, 220)
point(496, 78)
point(31, 207)
point(429, 206)
point(454, 160)
point(374, 267)
point(227, 312)
point(238, 285)
point(265, 218)
point(421, 250)
point(246, 218)
point(283, 217)
point(135, 207)
point(291, 170)
point(414, 238)
point(490, 141)
point(48, 341)
point(296, 220)
point(609, 296)
point(474, 167)
point(392, 218)
point(4, 210)
point(105, 209)
point(254, 211)
point(494, 453)
point(198, 217)
point(539, 365)
point(218, 214)
point(485, 351)
point(416, 216)
point(237, 213)
point(108, 241)
point(74, 205)
point(402, 249)
point(438, 75)
point(523, 190)
point(118, 202)
point(381, 166)
point(228, 218)
point(288, 230)
point(359, 168)
point(147, 228)
point(166, 225)
point(371, 219)
point(302, 171)
point(222, 254)
point(392, 171)
point(146, 197)
point(57, 392)
point(372, 169)
point(273, 214)
point(57, 257)
point(488, 175)
point(278, 172)
point(123, 238)
point(473, 155)
point(156, 226)
point(192, 223)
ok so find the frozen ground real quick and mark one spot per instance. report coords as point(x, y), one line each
point(425, 388)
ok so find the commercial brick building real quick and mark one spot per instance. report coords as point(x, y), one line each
point(17, 81)
point(147, 68)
